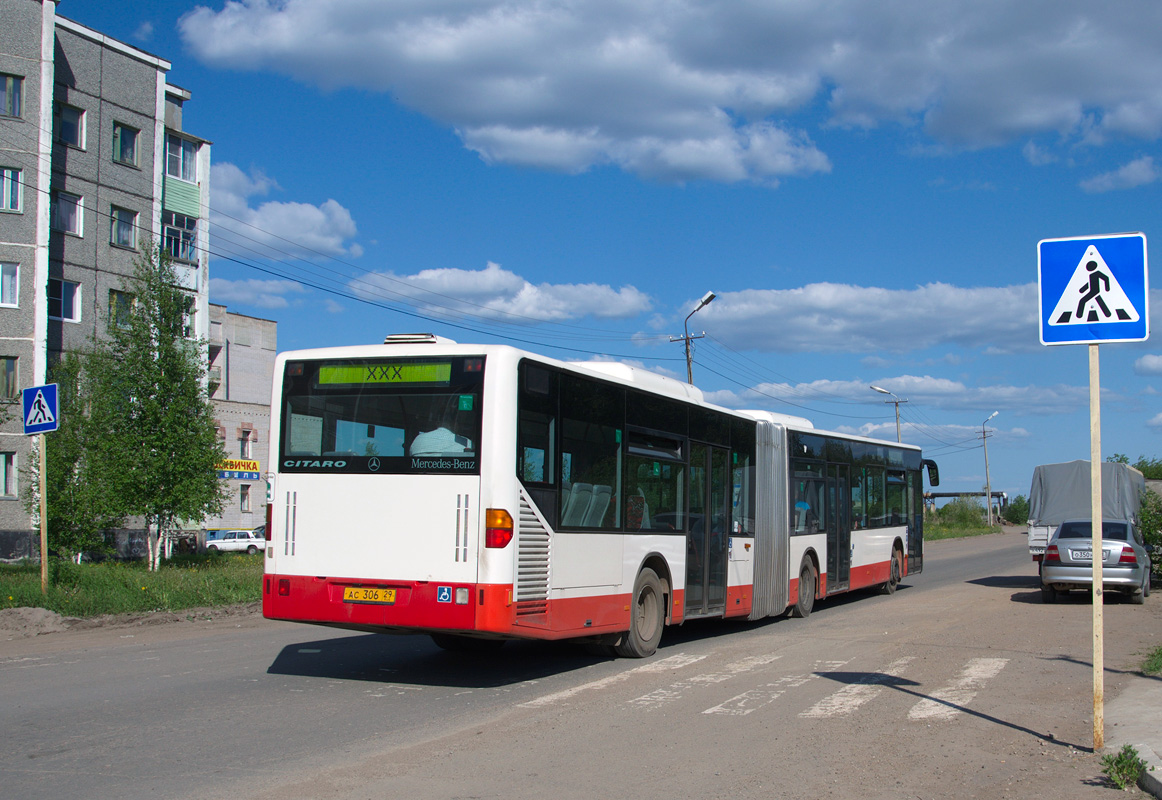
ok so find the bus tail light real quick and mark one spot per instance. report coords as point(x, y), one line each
point(498, 528)
point(284, 587)
point(1128, 556)
point(269, 518)
point(1051, 555)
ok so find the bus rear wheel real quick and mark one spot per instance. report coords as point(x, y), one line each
point(806, 601)
point(647, 617)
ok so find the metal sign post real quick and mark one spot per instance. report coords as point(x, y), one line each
point(1091, 290)
point(1095, 516)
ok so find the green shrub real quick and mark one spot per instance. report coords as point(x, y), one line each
point(963, 512)
point(1124, 767)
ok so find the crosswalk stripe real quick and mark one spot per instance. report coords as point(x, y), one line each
point(661, 665)
point(950, 700)
point(851, 697)
point(754, 699)
point(674, 691)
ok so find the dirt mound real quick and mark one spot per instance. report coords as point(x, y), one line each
point(19, 622)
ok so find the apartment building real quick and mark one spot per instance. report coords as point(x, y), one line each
point(242, 351)
point(94, 160)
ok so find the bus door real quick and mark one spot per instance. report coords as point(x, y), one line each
point(838, 528)
point(708, 530)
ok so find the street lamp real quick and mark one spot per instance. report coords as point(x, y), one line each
point(988, 486)
point(706, 300)
point(897, 401)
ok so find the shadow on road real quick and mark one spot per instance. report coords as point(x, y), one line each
point(902, 685)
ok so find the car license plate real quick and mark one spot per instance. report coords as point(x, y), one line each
point(1086, 555)
point(368, 594)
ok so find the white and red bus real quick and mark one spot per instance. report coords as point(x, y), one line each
point(479, 493)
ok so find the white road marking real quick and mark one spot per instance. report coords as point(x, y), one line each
point(948, 701)
point(754, 699)
point(674, 691)
point(851, 697)
point(662, 665)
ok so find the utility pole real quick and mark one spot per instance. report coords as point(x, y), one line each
point(896, 401)
point(705, 301)
point(988, 486)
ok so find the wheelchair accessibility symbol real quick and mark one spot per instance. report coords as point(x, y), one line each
point(443, 594)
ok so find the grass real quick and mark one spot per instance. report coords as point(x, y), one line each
point(1153, 663)
point(934, 530)
point(89, 590)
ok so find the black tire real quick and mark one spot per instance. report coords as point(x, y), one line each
point(806, 600)
point(212, 548)
point(647, 617)
point(895, 572)
point(1048, 594)
point(251, 549)
point(466, 644)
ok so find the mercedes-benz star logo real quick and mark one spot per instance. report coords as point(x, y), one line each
point(373, 464)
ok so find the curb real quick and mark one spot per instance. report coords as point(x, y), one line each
point(1151, 778)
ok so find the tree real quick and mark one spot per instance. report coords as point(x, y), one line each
point(1149, 467)
point(158, 446)
point(81, 503)
point(1016, 511)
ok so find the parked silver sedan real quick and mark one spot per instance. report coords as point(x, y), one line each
point(1068, 564)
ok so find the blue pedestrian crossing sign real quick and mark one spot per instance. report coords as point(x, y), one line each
point(41, 413)
point(1093, 289)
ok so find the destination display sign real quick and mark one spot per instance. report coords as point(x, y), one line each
point(358, 374)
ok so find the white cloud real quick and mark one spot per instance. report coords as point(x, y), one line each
point(1139, 172)
point(500, 294)
point(274, 229)
point(258, 293)
point(923, 391)
point(1148, 365)
point(144, 31)
point(1155, 421)
point(831, 317)
point(677, 89)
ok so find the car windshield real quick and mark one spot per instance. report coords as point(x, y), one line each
point(1115, 531)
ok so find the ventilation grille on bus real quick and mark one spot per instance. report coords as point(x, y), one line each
point(532, 568)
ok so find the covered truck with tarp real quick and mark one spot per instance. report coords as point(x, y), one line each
point(1062, 491)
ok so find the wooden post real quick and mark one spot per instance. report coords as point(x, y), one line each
point(1096, 551)
point(43, 518)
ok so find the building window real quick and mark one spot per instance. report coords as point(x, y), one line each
point(70, 125)
point(67, 213)
point(9, 388)
point(11, 94)
point(120, 306)
point(245, 444)
point(181, 235)
point(8, 466)
point(122, 232)
point(181, 158)
point(9, 189)
point(9, 284)
point(125, 144)
point(64, 300)
point(244, 497)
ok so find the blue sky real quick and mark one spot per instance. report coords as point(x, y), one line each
point(863, 185)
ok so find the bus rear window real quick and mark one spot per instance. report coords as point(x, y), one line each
point(402, 415)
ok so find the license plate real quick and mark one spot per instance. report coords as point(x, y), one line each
point(366, 594)
point(1087, 555)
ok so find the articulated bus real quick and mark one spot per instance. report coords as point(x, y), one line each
point(478, 493)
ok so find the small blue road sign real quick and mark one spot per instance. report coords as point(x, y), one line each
point(1093, 289)
point(41, 413)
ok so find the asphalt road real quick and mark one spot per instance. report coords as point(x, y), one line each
point(960, 685)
